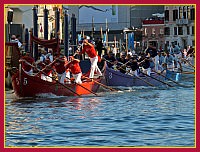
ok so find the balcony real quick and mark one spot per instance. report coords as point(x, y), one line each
point(182, 21)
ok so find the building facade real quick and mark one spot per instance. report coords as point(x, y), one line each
point(180, 25)
point(153, 34)
point(119, 17)
point(96, 20)
point(138, 13)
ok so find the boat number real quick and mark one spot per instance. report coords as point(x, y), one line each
point(110, 75)
point(25, 82)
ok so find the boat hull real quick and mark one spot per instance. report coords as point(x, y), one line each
point(25, 85)
point(116, 78)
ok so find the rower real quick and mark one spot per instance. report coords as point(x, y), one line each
point(27, 61)
point(134, 65)
point(75, 69)
point(111, 59)
point(169, 61)
point(122, 60)
point(60, 67)
point(144, 63)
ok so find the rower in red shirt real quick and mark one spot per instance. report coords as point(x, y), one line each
point(46, 70)
point(27, 63)
point(75, 69)
point(60, 66)
point(91, 52)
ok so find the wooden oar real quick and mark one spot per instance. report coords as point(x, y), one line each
point(45, 67)
point(189, 63)
point(138, 77)
point(170, 79)
point(156, 79)
point(187, 72)
point(188, 68)
point(79, 85)
point(132, 74)
point(52, 78)
point(100, 84)
point(84, 87)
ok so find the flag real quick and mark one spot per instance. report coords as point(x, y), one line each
point(79, 37)
point(83, 34)
point(101, 32)
point(131, 41)
point(104, 37)
point(41, 29)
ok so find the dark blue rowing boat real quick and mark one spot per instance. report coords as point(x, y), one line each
point(116, 78)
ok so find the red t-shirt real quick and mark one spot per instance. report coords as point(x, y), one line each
point(74, 67)
point(25, 66)
point(90, 50)
point(60, 65)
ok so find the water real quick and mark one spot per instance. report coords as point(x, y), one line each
point(138, 116)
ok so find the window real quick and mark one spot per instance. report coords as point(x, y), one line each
point(167, 43)
point(193, 43)
point(192, 30)
point(188, 30)
point(184, 12)
point(161, 31)
point(175, 15)
point(180, 31)
point(167, 31)
point(175, 30)
point(192, 14)
point(166, 15)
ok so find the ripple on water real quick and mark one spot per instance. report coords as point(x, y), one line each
point(143, 116)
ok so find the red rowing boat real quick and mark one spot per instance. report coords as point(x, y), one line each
point(25, 85)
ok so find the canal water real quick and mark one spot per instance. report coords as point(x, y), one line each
point(135, 116)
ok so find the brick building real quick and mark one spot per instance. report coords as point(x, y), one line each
point(153, 33)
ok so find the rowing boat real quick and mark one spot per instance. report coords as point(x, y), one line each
point(26, 85)
point(116, 78)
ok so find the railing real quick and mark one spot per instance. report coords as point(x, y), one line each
point(182, 21)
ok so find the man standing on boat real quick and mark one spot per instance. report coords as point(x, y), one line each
point(91, 52)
